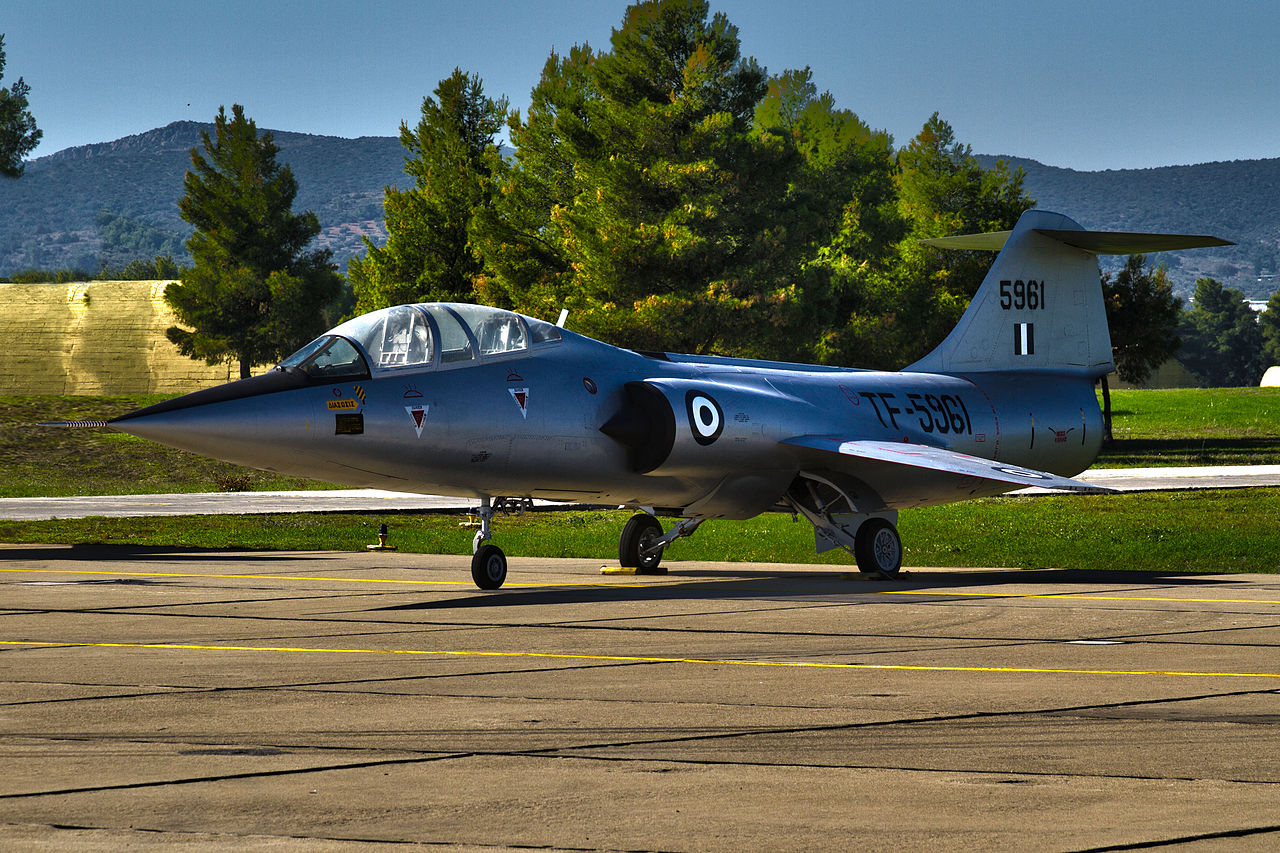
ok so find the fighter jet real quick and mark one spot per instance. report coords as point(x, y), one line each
point(474, 401)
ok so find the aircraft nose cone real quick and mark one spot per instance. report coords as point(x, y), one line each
point(249, 422)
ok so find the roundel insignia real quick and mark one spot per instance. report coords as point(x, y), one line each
point(1020, 472)
point(706, 420)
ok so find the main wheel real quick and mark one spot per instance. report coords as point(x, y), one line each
point(878, 548)
point(641, 531)
point(489, 567)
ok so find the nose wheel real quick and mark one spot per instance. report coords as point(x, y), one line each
point(488, 567)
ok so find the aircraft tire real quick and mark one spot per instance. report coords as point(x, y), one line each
point(640, 530)
point(878, 548)
point(489, 567)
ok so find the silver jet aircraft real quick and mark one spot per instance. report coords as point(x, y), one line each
point(474, 401)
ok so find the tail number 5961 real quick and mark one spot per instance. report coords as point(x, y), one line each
point(1022, 295)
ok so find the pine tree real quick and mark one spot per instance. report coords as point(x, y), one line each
point(1143, 315)
point(840, 221)
point(253, 293)
point(18, 131)
point(450, 155)
point(520, 233)
point(647, 191)
point(1269, 324)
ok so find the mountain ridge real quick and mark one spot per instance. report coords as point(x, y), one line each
point(52, 212)
point(51, 216)
point(1231, 199)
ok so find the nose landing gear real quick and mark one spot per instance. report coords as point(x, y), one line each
point(488, 563)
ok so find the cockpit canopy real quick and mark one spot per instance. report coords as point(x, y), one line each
point(419, 337)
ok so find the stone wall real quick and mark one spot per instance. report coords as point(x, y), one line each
point(97, 337)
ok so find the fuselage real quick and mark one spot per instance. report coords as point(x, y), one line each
point(526, 421)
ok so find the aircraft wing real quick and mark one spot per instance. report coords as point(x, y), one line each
point(885, 465)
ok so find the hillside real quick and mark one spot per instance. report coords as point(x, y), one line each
point(1236, 201)
point(51, 215)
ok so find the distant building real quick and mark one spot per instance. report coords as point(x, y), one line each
point(1171, 374)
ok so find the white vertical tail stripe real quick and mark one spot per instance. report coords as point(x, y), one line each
point(1024, 338)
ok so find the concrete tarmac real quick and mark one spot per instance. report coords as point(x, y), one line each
point(327, 701)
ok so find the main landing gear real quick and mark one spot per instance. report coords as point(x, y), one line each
point(642, 541)
point(830, 502)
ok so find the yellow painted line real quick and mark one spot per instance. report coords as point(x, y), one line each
point(637, 659)
point(670, 580)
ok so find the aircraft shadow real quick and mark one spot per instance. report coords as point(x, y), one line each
point(709, 585)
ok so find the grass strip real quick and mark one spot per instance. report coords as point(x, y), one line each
point(1206, 531)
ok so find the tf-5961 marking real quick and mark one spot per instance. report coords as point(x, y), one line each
point(941, 413)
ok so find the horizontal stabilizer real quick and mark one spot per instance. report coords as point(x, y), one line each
point(944, 461)
point(1095, 242)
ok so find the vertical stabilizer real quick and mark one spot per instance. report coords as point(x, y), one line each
point(1039, 308)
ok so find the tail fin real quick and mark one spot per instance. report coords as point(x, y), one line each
point(1040, 306)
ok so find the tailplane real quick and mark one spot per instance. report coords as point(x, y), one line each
point(1040, 306)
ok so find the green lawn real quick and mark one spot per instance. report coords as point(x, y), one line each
point(1196, 426)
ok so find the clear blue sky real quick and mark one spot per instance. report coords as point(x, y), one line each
point(1082, 84)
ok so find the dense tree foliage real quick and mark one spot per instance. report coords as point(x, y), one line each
point(253, 293)
point(126, 241)
point(1143, 315)
point(428, 255)
point(901, 297)
point(36, 275)
point(159, 268)
point(1221, 337)
point(839, 225)
point(673, 196)
point(18, 131)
